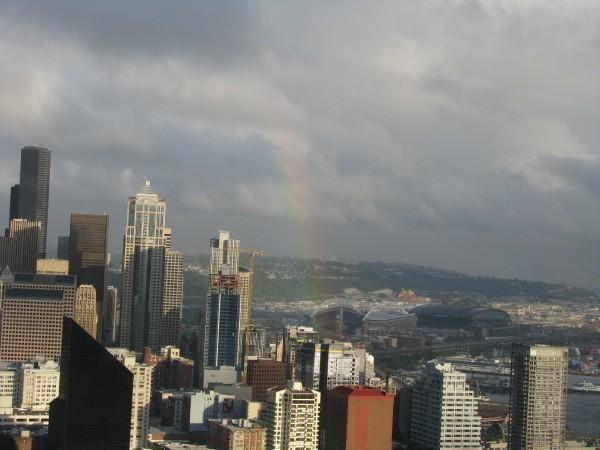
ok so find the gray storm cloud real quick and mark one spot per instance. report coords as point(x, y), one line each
point(454, 133)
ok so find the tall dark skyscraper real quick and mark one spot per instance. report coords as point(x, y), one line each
point(93, 409)
point(62, 247)
point(31, 195)
point(88, 251)
point(14, 202)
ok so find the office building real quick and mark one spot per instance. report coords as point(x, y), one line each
point(222, 321)
point(20, 245)
point(93, 409)
point(327, 365)
point(538, 400)
point(170, 329)
point(140, 398)
point(264, 374)
point(33, 306)
point(291, 418)
point(14, 202)
point(85, 309)
point(253, 345)
point(171, 371)
point(293, 337)
point(358, 418)
point(236, 434)
point(444, 411)
point(245, 279)
point(32, 193)
point(146, 249)
point(62, 247)
point(28, 386)
point(110, 316)
point(88, 254)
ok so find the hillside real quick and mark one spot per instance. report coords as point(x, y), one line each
point(291, 278)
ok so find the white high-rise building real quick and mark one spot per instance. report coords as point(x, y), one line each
point(148, 269)
point(291, 417)
point(444, 411)
point(224, 254)
point(140, 399)
point(328, 365)
point(538, 401)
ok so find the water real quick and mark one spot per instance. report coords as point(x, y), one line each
point(583, 410)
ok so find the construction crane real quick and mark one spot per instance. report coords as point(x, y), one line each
point(252, 253)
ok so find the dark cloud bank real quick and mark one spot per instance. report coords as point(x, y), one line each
point(462, 134)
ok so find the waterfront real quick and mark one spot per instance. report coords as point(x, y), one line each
point(583, 410)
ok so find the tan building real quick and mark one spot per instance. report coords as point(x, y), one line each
point(52, 266)
point(33, 306)
point(85, 309)
point(538, 401)
point(140, 399)
point(236, 434)
point(170, 326)
point(245, 278)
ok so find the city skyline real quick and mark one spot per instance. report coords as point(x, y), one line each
point(418, 145)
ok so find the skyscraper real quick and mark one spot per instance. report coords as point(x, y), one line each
point(33, 307)
point(291, 417)
point(33, 191)
point(170, 331)
point(295, 336)
point(358, 418)
point(88, 254)
point(538, 400)
point(62, 247)
point(19, 248)
point(14, 202)
point(223, 332)
point(85, 309)
point(152, 277)
point(327, 365)
point(444, 411)
point(93, 409)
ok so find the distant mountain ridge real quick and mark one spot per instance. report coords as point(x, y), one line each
point(294, 278)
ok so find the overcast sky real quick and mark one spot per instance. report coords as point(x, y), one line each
point(461, 134)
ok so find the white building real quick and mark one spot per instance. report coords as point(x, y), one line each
point(206, 405)
point(444, 410)
point(224, 254)
point(151, 287)
point(291, 417)
point(28, 386)
point(140, 401)
point(333, 363)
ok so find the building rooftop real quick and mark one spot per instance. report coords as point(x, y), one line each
point(38, 278)
point(33, 294)
point(384, 315)
point(360, 391)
